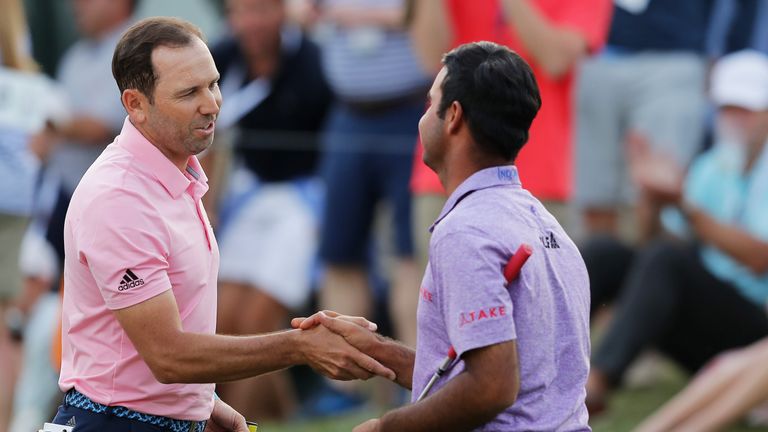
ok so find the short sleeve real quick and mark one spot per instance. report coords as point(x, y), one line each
point(589, 18)
point(473, 298)
point(125, 244)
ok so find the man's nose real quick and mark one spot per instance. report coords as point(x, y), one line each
point(212, 103)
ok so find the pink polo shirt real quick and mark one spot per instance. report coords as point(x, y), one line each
point(135, 228)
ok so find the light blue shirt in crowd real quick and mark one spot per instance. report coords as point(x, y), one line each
point(717, 184)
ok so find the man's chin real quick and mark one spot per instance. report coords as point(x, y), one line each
point(427, 161)
point(200, 146)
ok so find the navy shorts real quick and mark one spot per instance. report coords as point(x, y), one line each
point(367, 158)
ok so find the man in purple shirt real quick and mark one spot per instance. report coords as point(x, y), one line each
point(523, 348)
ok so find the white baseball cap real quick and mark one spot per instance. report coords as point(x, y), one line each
point(741, 79)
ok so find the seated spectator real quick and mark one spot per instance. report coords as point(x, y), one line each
point(697, 297)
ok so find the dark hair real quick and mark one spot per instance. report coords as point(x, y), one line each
point(497, 92)
point(132, 62)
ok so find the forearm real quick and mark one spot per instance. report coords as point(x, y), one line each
point(698, 396)
point(399, 358)
point(201, 358)
point(556, 50)
point(457, 406)
point(742, 395)
point(747, 388)
point(732, 240)
point(173, 355)
point(430, 32)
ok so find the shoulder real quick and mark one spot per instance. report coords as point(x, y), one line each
point(304, 62)
point(116, 218)
point(457, 239)
point(302, 74)
point(503, 216)
point(112, 193)
point(488, 210)
point(308, 49)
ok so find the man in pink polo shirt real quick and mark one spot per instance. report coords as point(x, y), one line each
point(141, 263)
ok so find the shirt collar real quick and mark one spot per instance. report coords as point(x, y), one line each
point(483, 179)
point(150, 159)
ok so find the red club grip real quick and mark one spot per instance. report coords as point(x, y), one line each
point(452, 353)
point(512, 269)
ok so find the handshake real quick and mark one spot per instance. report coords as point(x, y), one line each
point(345, 348)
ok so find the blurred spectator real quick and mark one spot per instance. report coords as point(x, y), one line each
point(368, 148)
point(206, 14)
point(97, 115)
point(649, 79)
point(696, 298)
point(28, 101)
point(553, 36)
point(19, 165)
point(738, 25)
point(52, 30)
point(726, 390)
point(37, 393)
point(91, 118)
point(276, 94)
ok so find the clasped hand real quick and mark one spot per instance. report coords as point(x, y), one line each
point(342, 346)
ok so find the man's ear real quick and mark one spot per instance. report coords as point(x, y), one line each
point(136, 104)
point(454, 117)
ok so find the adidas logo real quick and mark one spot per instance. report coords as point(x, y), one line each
point(549, 241)
point(71, 422)
point(130, 280)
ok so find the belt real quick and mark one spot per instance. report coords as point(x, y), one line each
point(76, 399)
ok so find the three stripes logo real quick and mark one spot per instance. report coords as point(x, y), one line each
point(130, 280)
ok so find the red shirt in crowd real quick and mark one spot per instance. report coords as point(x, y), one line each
point(545, 163)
